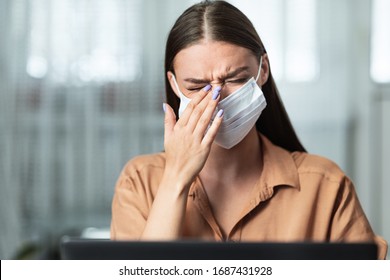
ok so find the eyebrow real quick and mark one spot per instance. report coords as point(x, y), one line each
point(223, 77)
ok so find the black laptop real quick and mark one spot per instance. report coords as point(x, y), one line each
point(96, 249)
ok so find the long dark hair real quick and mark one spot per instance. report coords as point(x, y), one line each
point(228, 24)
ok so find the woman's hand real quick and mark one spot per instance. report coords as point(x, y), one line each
point(187, 146)
point(188, 141)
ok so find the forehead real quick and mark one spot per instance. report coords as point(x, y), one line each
point(211, 58)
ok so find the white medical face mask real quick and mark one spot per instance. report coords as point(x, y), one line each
point(241, 109)
point(184, 100)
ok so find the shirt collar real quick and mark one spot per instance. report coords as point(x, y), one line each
point(279, 167)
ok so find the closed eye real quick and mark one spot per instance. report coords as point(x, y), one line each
point(238, 81)
point(195, 89)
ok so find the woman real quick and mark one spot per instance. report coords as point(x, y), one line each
point(233, 167)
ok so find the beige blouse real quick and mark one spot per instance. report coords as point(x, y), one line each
point(298, 197)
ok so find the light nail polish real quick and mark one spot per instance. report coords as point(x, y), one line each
point(216, 92)
point(220, 113)
point(207, 88)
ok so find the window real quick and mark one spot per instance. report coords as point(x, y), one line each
point(73, 41)
point(380, 42)
point(301, 56)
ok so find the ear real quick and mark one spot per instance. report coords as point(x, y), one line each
point(264, 69)
point(170, 77)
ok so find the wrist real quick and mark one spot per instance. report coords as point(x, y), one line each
point(175, 183)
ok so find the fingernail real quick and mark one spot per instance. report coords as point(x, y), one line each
point(207, 88)
point(164, 107)
point(220, 113)
point(216, 92)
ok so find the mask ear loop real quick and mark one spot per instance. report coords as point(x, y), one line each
point(182, 97)
point(176, 85)
point(259, 71)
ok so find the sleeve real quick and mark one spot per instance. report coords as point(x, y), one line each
point(349, 223)
point(130, 205)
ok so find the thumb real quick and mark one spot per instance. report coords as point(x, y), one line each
point(169, 120)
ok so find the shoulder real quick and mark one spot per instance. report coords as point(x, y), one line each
point(149, 163)
point(299, 168)
point(141, 174)
point(315, 165)
point(321, 177)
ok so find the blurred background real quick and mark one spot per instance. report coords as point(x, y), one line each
point(81, 92)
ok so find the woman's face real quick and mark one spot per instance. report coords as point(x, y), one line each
point(215, 63)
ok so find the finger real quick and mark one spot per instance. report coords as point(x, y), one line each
point(193, 104)
point(212, 132)
point(198, 113)
point(207, 116)
point(169, 120)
